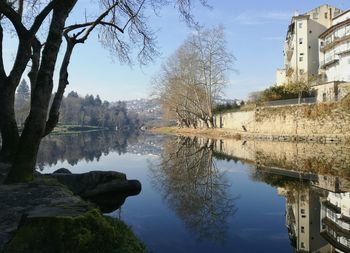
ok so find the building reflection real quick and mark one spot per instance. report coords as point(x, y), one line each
point(314, 179)
point(317, 210)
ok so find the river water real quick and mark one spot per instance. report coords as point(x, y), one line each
point(220, 196)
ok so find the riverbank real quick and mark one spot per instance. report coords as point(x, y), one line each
point(215, 133)
point(221, 133)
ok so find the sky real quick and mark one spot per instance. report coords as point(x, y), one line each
point(255, 32)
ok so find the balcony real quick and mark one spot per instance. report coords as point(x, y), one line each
point(335, 40)
point(333, 208)
point(329, 61)
point(344, 52)
point(338, 227)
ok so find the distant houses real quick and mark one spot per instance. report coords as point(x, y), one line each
point(317, 49)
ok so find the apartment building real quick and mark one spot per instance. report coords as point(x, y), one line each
point(301, 48)
point(334, 58)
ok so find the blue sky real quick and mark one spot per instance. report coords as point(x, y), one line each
point(255, 33)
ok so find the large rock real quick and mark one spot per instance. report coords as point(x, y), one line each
point(95, 183)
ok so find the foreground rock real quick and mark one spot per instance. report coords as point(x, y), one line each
point(95, 183)
point(45, 215)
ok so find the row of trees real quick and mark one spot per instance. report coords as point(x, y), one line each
point(93, 112)
point(88, 111)
point(194, 76)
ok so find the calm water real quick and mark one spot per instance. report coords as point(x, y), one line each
point(207, 196)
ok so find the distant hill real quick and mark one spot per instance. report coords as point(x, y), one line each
point(148, 110)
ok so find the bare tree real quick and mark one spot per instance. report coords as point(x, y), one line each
point(194, 76)
point(214, 62)
point(122, 27)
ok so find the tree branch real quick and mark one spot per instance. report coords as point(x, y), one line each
point(41, 17)
point(36, 53)
point(2, 68)
point(62, 84)
point(93, 25)
point(14, 17)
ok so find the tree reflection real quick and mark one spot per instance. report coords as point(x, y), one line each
point(193, 186)
point(87, 146)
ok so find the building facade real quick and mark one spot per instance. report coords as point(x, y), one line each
point(334, 58)
point(301, 48)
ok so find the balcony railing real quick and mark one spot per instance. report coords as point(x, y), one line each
point(334, 41)
point(329, 61)
point(344, 52)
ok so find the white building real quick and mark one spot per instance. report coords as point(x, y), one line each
point(334, 59)
point(301, 49)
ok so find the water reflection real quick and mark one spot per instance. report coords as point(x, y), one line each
point(317, 205)
point(194, 188)
point(88, 147)
point(76, 147)
point(317, 213)
point(192, 180)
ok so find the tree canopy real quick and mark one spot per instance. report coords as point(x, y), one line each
point(194, 76)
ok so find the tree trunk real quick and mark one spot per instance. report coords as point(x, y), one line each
point(24, 163)
point(8, 126)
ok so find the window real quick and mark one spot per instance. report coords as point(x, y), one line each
point(302, 211)
point(302, 245)
point(326, 15)
point(300, 25)
point(301, 72)
point(302, 229)
point(300, 40)
point(310, 31)
point(301, 58)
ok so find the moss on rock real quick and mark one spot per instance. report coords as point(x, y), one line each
point(90, 232)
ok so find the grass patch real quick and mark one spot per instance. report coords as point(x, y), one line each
point(89, 233)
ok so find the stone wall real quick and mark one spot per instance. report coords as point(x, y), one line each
point(326, 122)
point(330, 160)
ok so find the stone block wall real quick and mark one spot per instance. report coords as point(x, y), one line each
point(324, 121)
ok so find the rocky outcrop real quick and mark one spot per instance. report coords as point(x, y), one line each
point(95, 183)
point(59, 195)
